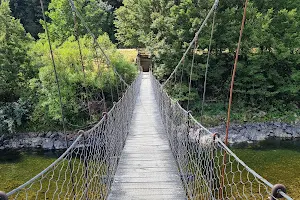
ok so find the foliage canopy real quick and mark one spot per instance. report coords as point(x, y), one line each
point(268, 71)
point(28, 89)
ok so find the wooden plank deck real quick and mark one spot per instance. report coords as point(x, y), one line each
point(147, 168)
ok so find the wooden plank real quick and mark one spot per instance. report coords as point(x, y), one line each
point(147, 169)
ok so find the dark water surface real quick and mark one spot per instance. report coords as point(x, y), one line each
point(270, 144)
point(276, 160)
point(17, 155)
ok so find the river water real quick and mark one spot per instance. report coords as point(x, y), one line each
point(276, 160)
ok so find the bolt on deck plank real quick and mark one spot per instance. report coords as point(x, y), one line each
point(147, 168)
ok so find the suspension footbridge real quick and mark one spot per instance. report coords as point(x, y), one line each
point(147, 169)
point(147, 146)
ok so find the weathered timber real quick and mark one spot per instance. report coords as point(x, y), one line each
point(147, 168)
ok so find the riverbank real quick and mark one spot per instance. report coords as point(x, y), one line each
point(238, 133)
point(251, 132)
point(44, 140)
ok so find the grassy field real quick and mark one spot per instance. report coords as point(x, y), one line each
point(129, 54)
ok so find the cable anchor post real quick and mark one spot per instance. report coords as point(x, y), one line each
point(276, 191)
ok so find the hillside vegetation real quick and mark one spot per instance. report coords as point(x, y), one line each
point(29, 99)
point(267, 84)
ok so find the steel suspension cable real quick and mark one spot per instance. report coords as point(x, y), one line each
point(81, 60)
point(175, 77)
point(58, 86)
point(230, 97)
point(198, 153)
point(117, 88)
point(79, 46)
point(107, 60)
point(192, 42)
point(234, 70)
point(100, 75)
point(111, 93)
point(207, 64)
point(191, 72)
point(181, 76)
point(55, 71)
point(105, 78)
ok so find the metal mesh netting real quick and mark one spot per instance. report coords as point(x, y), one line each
point(86, 169)
point(208, 168)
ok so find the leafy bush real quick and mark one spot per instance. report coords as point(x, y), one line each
point(13, 115)
point(76, 89)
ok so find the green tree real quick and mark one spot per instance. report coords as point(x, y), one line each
point(267, 74)
point(133, 21)
point(15, 64)
point(15, 70)
point(76, 91)
point(29, 12)
point(61, 25)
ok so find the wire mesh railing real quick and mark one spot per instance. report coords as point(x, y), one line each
point(86, 169)
point(208, 168)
